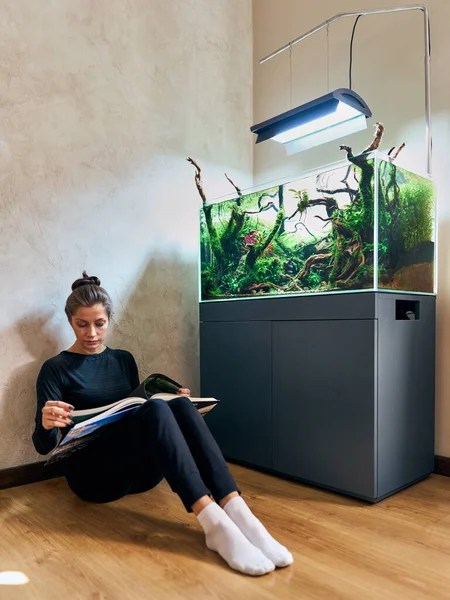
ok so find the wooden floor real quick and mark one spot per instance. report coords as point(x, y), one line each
point(147, 546)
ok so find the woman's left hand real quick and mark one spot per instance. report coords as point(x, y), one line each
point(184, 392)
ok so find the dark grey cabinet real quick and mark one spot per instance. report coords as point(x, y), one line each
point(236, 367)
point(336, 391)
point(323, 400)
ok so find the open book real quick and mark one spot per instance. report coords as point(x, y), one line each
point(89, 422)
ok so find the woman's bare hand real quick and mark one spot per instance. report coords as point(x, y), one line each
point(56, 414)
point(184, 392)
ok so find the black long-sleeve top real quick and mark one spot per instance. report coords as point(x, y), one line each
point(84, 381)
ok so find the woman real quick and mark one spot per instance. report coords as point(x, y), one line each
point(156, 440)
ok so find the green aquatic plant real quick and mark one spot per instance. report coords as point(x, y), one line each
point(360, 217)
point(258, 249)
point(314, 280)
point(303, 200)
point(232, 231)
point(417, 212)
point(406, 215)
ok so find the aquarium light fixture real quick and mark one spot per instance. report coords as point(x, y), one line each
point(327, 118)
point(377, 11)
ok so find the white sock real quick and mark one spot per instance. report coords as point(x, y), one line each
point(224, 537)
point(254, 530)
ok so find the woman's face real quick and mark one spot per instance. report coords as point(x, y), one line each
point(90, 326)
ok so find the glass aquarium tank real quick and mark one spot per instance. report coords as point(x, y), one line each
point(368, 224)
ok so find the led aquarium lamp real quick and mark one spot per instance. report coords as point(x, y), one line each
point(327, 118)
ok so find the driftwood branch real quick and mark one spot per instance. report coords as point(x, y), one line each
point(216, 245)
point(198, 179)
point(347, 175)
point(349, 151)
point(398, 151)
point(312, 260)
point(265, 195)
point(300, 223)
point(323, 219)
point(238, 190)
point(346, 190)
point(330, 204)
point(379, 130)
point(262, 209)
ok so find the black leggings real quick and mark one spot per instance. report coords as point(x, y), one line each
point(156, 440)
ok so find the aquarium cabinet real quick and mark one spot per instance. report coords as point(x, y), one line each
point(317, 326)
point(333, 390)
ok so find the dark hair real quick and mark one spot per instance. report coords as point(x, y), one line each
point(87, 292)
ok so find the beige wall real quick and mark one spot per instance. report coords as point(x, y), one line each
point(101, 103)
point(388, 73)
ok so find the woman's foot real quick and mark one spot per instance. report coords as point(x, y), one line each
point(225, 538)
point(256, 533)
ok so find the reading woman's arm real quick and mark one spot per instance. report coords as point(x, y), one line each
point(48, 387)
point(134, 374)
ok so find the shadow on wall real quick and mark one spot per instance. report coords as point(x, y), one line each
point(19, 402)
point(157, 322)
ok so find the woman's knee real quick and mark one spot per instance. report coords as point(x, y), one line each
point(153, 408)
point(182, 403)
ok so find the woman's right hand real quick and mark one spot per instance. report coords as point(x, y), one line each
point(56, 414)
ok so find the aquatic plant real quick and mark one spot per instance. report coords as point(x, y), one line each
point(416, 215)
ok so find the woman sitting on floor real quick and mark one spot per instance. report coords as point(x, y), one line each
point(154, 441)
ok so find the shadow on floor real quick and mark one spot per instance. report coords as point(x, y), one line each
point(112, 523)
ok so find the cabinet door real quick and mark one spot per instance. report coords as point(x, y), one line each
point(324, 403)
point(235, 366)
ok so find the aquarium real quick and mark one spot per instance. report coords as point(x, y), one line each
point(368, 224)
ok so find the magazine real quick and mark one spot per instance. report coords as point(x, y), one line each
point(89, 422)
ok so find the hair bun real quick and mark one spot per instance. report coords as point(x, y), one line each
point(85, 280)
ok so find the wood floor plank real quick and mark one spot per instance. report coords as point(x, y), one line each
point(147, 546)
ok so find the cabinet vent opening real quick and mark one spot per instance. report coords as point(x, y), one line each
point(407, 310)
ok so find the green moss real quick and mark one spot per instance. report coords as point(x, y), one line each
point(416, 212)
point(256, 251)
point(406, 215)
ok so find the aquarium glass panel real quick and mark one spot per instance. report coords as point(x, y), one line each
point(315, 235)
point(406, 230)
